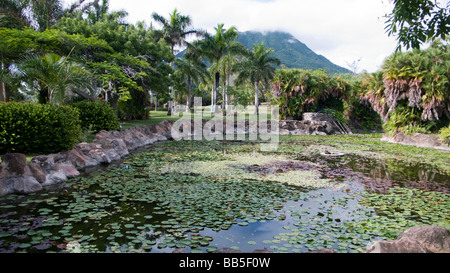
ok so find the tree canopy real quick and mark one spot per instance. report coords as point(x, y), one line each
point(417, 21)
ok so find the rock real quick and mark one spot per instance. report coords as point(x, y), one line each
point(227, 250)
point(45, 162)
point(418, 140)
point(2, 170)
point(261, 251)
point(120, 146)
point(434, 238)
point(179, 250)
point(76, 158)
point(163, 128)
point(14, 164)
point(423, 239)
point(325, 250)
point(56, 177)
point(69, 170)
point(33, 169)
point(20, 184)
point(403, 245)
point(313, 124)
point(93, 153)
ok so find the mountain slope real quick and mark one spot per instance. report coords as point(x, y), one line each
point(291, 52)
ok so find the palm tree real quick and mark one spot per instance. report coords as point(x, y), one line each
point(13, 13)
point(98, 11)
point(193, 70)
point(54, 76)
point(215, 47)
point(174, 31)
point(46, 13)
point(258, 68)
point(41, 14)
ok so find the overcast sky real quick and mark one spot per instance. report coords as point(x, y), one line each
point(341, 30)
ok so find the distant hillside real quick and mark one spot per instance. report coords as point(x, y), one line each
point(291, 52)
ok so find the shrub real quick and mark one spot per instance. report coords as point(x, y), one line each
point(444, 135)
point(96, 116)
point(38, 128)
point(407, 120)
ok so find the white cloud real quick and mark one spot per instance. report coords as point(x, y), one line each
point(341, 30)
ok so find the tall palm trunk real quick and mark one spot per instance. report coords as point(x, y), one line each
point(257, 98)
point(2, 92)
point(170, 110)
point(216, 88)
point(189, 93)
point(226, 96)
point(4, 89)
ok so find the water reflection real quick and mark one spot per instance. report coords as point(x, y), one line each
point(380, 175)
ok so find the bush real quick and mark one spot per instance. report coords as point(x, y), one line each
point(37, 128)
point(444, 135)
point(407, 120)
point(96, 116)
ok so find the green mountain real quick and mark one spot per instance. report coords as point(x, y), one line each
point(291, 52)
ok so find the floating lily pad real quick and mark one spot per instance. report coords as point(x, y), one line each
point(196, 250)
point(211, 249)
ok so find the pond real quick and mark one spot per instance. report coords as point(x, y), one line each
point(205, 195)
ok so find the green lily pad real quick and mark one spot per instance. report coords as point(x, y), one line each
point(211, 248)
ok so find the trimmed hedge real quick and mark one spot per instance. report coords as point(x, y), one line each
point(38, 128)
point(99, 115)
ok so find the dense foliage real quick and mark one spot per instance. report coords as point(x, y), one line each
point(299, 91)
point(119, 58)
point(412, 91)
point(96, 116)
point(417, 21)
point(38, 128)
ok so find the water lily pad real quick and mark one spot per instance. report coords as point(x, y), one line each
point(211, 249)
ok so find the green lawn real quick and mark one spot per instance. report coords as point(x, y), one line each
point(159, 116)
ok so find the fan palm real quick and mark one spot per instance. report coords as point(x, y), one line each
point(258, 68)
point(55, 75)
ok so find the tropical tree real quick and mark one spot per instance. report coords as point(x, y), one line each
point(416, 21)
point(139, 62)
point(17, 44)
point(215, 47)
point(99, 11)
point(174, 31)
point(54, 76)
point(415, 88)
point(39, 14)
point(193, 70)
point(13, 13)
point(258, 68)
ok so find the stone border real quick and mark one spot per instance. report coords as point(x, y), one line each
point(44, 171)
point(418, 140)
